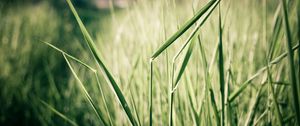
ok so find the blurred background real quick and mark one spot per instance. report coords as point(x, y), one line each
point(30, 70)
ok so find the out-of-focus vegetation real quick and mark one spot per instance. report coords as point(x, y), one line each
point(246, 80)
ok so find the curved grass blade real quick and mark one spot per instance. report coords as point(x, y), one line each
point(291, 62)
point(184, 28)
point(97, 57)
point(58, 113)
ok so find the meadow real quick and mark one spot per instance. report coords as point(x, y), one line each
point(172, 62)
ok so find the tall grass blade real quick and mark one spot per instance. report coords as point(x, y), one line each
point(221, 70)
point(295, 87)
point(108, 75)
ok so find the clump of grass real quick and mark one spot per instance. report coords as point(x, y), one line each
point(212, 87)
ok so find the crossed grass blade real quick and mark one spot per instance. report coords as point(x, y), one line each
point(88, 97)
point(88, 67)
point(260, 71)
point(108, 75)
point(183, 29)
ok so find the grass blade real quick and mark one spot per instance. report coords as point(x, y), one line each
point(108, 75)
point(260, 71)
point(214, 106)
point(58, 113)
point(70, 56)
point(88, 97)
point(291, 62)
point(250, 118)
point(277, 110)
point(184, 28)
point(221, 69)
point(103, 98)
point(150, 92)
point(184, 64)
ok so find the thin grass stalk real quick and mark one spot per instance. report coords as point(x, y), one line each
point(208, 88)
point(88, 97)
point(221, 70)
point(135, 108)
point(103, 99)
point(291, 62)
point(73, 123)
point(150, 92)
point(70, 56)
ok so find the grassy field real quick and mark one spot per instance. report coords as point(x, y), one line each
point(173, 62)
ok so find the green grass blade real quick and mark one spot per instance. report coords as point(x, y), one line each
point(251, 114)
point(87, 66)
point(103, 99)
point(108, 75)
point(191, 37)
point(59, 113)
point(184, 28)
point(214, 106)
point(194, 32)
point(70, 56)
point(184, 64)
point(295, 87)
point(208, 89)
point(150, 92)
point(260, 71)
point(221, 70)
point(276, 106)
point(135, 109)
point(88, 97)
point(182, 68)
point(193, 110)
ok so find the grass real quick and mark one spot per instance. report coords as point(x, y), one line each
point(291, 62)
point(231, 65)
